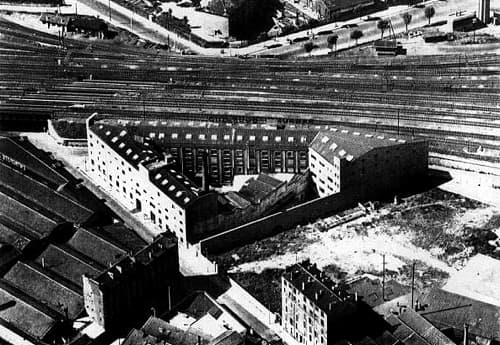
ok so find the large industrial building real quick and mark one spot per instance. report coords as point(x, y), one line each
point(369, 164)
point(146, 181)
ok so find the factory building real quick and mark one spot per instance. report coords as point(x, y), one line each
point(365, 163)
point(146, 180)
point(233, 149)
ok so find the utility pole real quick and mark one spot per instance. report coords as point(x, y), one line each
point(412, 284)
point(383, 277)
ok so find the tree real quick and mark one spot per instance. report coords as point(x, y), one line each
point(382, 25)
point(356, 35)
point(332, 41)
point(406, 19)
point(308, 46)
point(429, 12)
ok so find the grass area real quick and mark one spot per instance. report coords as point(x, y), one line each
point(437, 230)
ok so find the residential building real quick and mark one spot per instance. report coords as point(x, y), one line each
point(315, 310)
point(367, 164)
point(145, 180)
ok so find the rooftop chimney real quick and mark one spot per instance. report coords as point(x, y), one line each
point(303, 286)
point(43, 262)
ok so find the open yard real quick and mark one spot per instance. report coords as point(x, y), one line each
point(437, 230)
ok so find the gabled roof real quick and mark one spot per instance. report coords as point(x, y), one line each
point(172, 335)
point(14, 234)
point(124, 145)
point(30, 215)
point(316, 286)
point(95, 247)
point(445, 309)
point(120, 235)
point(23, 315)
point(44, 196)
point(351, 144)
point(68, 264)
point(21, 151)
point(41, 286)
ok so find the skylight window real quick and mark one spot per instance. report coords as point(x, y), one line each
point(171, 188)
point(333, 146)
point(108, 133)
point(277, 139)
point(252, 138)
point(186, 200)
point(349, 157)
point(152, 135)
point(344, 131)
point(128, 152)
point(239, 138)
point(265, 138)
point(158, 176)
point(164, 182)
point(189, 136)
point(325, 139)
point(201, 136)
point(226, 136)
point(175, 135)
point(213, 137)
point(121, 146)
point(369, 135)
point(114, 140)
point(291, 139)
point(356, 133)
point(178, 194)
point(161, 135)
point(342, 153)
point(303, 139)
point(122, 133)
point(135, 157)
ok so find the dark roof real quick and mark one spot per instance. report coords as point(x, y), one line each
point(423, 328)
point(351, 144)
point(199, 304)
point(316, 286)
point(32, 217)
point(23, 315)
point(95, 247)
point(370, 291)
point(124, 145)
point(121, 235)
point(257, 189)
point(161, 173)
point(8, 255)
point(41, 286)
point(44, 196)
point(14, 234)
point(228, 338)
point(446, 309)
point(67, 264)
point(139, 337)
point(21, 151)
point(202, 133)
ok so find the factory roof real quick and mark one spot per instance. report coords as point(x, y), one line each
point(370, 291)
point(29, 215)
point(25, 314)
point(14, 234)
point(43, 196)
point(96, 247)
point(42, 286)
point(316, 286)
point(20, 152)
point(351, 144)
point(171, 334)
point(68, 264)
point(237, 200)
point(120, 235)
point(257, 189)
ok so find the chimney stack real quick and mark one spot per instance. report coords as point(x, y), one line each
point(303, 286)
point(356, 296)
point(43, 262)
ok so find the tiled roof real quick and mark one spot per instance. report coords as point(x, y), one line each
point(224, 134)
point(370, 291)
point(446, 309)
point(24, 153)
point(315, 285)
point(95, 247)
point(123, 144)
point(423, 328)
point(173, 183)
point(67, 264)
point(23, 315)
point(119, 234)
point(351, 144)
point(14, 234)
point(29, 216)
point(45, 197)
point(38, 284)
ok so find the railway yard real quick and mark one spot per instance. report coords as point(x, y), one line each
point(428, 96)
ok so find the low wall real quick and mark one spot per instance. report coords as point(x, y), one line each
point(277, 222)
point(64, 141)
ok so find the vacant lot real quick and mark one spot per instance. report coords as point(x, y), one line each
point(437, 230)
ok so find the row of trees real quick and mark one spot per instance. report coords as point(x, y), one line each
point(382, 25)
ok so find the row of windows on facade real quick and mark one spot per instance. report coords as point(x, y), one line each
point(226, 137)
